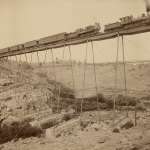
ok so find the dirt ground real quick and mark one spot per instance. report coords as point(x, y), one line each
point(94, 136)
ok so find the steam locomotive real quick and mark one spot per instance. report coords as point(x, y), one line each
point(82, 32)
point(127, 22)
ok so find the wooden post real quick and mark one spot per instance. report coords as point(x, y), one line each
point(58, 99)
point(135, 116)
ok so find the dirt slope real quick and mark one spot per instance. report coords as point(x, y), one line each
point(92, 137)
point(26, 89)
point(138, 81)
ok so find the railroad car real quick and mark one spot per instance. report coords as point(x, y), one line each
point(53, 38)
point(83, 32)
point(72, 35)
point(112, 26)
point(147, 21)
point(126, 20)
point(96, 27)
point(79, 30)
point(135, 22)
point(142, 19)
point(89, 29)
point(4, 50)
point(131, 19)
point(30, 44)
point(20, 46)
point(13, 48)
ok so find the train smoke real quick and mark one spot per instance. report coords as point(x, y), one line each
point(147, 2)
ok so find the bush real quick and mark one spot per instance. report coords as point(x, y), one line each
point(42, 74)
point(26, 66)
point(84, 124)
point(101, 98)
point(126, 100)
point(68, 117)
point(110, 103)
point(140, 107)
point(146, 97)
point(14, 128)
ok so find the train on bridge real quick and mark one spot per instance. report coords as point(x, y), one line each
point(127, 22)
point(61, 37)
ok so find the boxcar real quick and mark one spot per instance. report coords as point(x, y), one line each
point(112, 26)
point(13, 48)
point(72, 35)
point(86, 30)
point(30, 44)
point(93, 28)
point(4, 50)
point(89, 29)
point(53, 38)
point(20, 46)
point(126, 20)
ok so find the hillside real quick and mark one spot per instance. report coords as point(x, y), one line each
point(24, 91)
point(137, 74)
point(27, 87)
point(30, 90)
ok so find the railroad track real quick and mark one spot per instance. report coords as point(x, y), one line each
point(133, 29)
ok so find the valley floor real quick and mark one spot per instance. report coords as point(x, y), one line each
point(94, 136)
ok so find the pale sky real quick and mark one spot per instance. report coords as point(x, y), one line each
point(24, 20)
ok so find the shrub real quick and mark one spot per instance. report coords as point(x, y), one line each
point(140, 107)
point(26, 66)
point(110, 103)
point(42, 74)
point(126, 100)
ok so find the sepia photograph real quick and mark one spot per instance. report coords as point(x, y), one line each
point(74, 75)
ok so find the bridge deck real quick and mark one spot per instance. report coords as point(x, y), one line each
point(98, 37)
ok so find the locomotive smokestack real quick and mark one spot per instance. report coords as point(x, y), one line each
point(147, 2)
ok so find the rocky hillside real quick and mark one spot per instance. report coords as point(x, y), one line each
point(25, 91)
